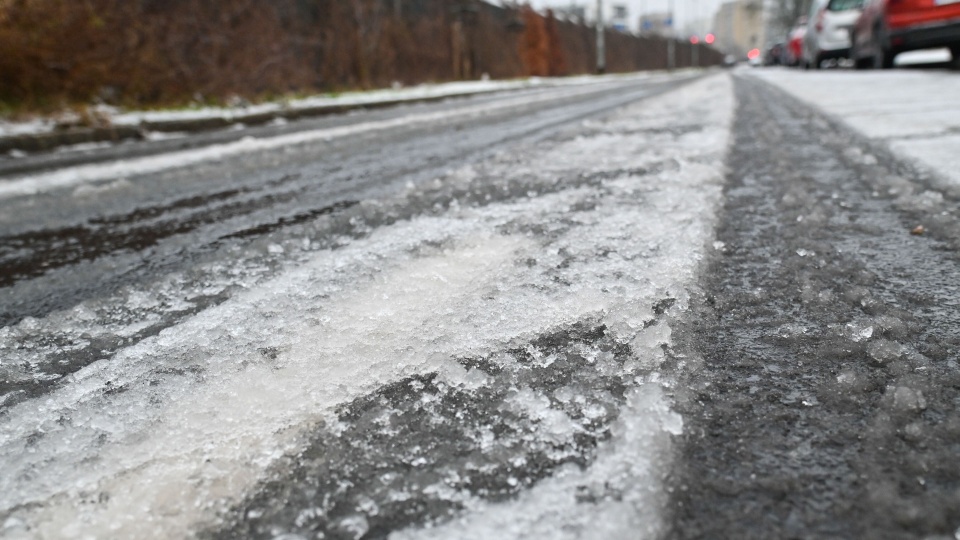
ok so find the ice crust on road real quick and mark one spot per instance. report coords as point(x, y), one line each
point(625, 485)
point(914, 112)
point(173, 430)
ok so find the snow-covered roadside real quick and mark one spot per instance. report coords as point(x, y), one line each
point(118, 117)
point(68, 177)
point(138, 447)
point(914, 112)
point(627, 479)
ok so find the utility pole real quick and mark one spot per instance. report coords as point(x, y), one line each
point(695, 50)
point(601, 46)
point(671, 40)
point(643, 14)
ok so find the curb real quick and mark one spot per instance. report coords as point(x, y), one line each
point(42, 142)
point(45, 142)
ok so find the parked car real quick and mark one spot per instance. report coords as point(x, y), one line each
point(795, 42)
point(828, 31)
point(889, 27)
point(775, 55)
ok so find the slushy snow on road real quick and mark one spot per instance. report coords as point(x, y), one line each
point(170, 434)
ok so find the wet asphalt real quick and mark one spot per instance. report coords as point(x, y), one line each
point(826, 402)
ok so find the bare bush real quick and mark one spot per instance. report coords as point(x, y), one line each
point(163, 52)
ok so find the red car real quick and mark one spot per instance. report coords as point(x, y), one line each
point(795, 42)
point(887, 28)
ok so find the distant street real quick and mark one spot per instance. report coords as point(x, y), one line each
point(718, 304)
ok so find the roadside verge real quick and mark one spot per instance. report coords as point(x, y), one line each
point(45, 136)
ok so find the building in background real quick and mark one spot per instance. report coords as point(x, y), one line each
point(619, 19)
point(574, 12)
point(658, 24)
point(616, 16)
point(698, 27)
point(740, 27)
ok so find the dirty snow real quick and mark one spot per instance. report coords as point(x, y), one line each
point(414, 93)
point(154, 441)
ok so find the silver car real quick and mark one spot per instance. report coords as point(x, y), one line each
point(828, 31)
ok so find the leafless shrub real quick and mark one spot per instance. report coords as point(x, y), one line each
point(167, 52)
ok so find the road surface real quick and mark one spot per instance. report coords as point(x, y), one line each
point(660, 306)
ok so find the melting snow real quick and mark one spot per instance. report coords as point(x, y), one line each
point(156, 440)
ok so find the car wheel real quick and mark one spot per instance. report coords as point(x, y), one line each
point(859, 62)
point(882, 56)
point(888, 57)
point(883, 59)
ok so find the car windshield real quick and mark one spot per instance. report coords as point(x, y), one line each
point(844, 5)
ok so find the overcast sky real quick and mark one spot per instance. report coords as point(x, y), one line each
point(686, 10)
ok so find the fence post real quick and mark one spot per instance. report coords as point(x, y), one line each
point(601, 45)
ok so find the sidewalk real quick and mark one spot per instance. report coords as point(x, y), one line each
point(913, 113)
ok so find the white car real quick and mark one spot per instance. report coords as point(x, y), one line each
point(828, 31)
